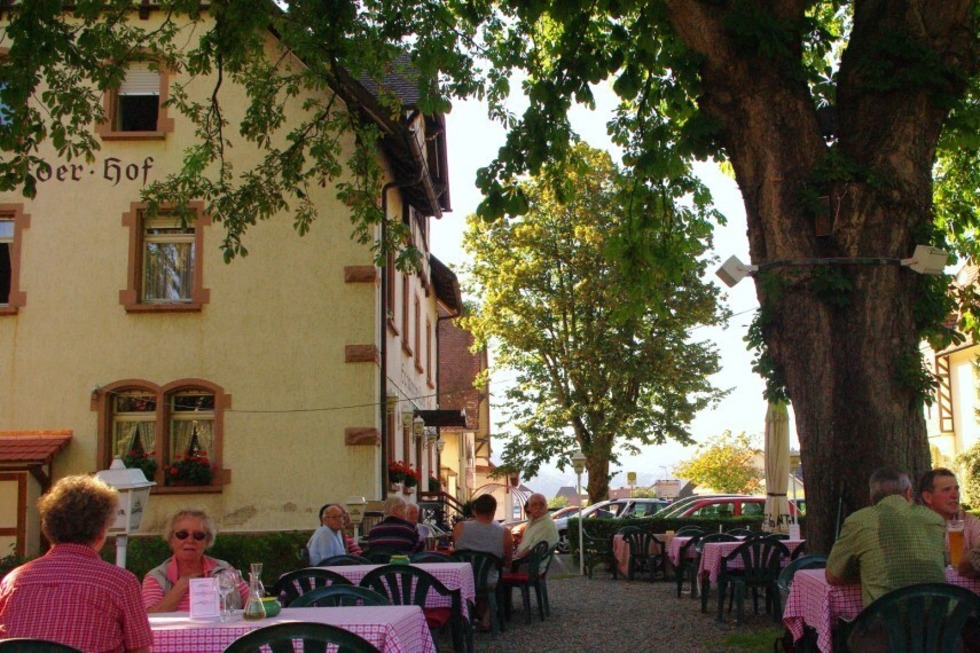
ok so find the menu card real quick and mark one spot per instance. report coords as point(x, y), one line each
point(205, 599)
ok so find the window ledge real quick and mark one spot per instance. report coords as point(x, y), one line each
point(8, 310)
point(134, 136)
point(186, 489)
point(189, 307)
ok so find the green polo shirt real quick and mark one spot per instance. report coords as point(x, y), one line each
point(890, 545)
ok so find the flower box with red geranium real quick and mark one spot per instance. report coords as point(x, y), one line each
point(412, 476)
point(397, 470)
point(435, 485)
point(190, 469)
point(143, 460)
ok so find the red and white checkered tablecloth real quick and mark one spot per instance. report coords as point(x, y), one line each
point(713, 552)
point(814, 602)
point(391, 629)
point(454, 575)
point(674, 549)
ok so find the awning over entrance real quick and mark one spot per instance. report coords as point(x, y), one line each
point(32, 451)
point(442, 417)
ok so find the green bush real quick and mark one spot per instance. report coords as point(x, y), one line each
point(970, 461)
point(277, 551)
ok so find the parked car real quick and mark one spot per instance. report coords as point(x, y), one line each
point(721, 506)
point(615, 508)
point(517, 527)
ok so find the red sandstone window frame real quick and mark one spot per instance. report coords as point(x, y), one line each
point(406, 296)
point(109, 131)
point(428, 352)
point(17, 298)
point(418, 335)
point(131, 298)
point(102, 403)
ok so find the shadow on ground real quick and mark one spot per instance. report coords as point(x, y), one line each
point(619, 616)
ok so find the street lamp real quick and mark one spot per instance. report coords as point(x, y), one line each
point(355, 508)
point(134, 491)
point(578, 462)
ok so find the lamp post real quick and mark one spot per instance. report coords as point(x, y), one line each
point(134, 491)
point(578, 462)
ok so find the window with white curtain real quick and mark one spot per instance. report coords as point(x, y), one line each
point(168, 260)
point(191, 423)
point(134, 419)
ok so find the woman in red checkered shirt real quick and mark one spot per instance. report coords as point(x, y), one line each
point(189, 533)
point(70, 595)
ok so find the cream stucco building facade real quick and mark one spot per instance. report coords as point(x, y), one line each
point(120, 331)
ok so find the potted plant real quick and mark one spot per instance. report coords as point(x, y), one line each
point(190, 469)
point(435, 485)
point(396, 474)
point(412, 478)
point(142, 460)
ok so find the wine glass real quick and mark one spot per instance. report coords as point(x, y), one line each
point(228, 582)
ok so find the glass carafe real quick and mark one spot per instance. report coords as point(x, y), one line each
point(254, 609)
point(256, 568)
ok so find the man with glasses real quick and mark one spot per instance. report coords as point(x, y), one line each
point(328, 540)
point(540, 527)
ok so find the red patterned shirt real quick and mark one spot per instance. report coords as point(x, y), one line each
point(70, 595)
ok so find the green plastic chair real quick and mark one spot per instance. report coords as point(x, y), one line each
point(761, 560)
point(641, 542)
point(743, 532)
point(339, 595)
point(705, 584)
point(532, 571)
point(431, 556)
point(342, 560)
point(689, 531)
point(315, 638)
point(687, 564)
point(926, 618)
point(31, 645)
point(486, 582)
point(409, 585)
point(597, 551)
point(294, 584)
point(381, 555)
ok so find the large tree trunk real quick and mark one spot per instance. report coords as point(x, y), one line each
point(845, 354)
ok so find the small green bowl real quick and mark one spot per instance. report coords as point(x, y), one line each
point(271, 605)
point(399, 560)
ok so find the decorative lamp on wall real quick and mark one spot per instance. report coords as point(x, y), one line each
point(134, 492)
point(418, 427)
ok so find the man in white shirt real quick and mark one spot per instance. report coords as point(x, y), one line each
point(540, 526)
point(328, 540)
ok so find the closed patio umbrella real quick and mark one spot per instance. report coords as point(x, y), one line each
point(776, 518)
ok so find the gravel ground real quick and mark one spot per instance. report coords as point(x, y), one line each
point(618, 616)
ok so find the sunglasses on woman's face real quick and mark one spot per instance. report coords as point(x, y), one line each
point(197, 535)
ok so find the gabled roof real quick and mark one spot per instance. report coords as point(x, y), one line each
point(446, 285)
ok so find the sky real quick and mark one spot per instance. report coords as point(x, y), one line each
point(473, 141)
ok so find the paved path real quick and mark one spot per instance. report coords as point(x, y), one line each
point(615, 616)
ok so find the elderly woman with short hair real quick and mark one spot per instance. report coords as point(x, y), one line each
point(189, 533)
point(70, 595)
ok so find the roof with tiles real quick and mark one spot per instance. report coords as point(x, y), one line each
point(32, 446)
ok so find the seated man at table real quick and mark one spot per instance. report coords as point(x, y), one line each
point(891, 544)
point(412, 515)
point(540, 527)
point(940, 492)
point(70, 595)
point(395, 532)
point(328, 540)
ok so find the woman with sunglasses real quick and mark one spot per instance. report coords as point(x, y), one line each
point(189, 533)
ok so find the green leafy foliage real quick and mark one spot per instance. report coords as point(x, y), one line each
point(599, 365)
point(970, 462)
point(725, 464)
